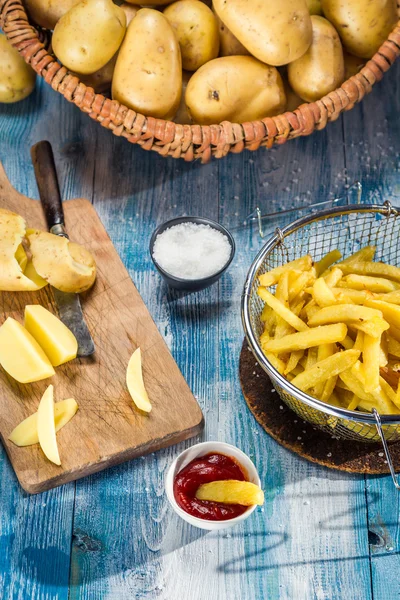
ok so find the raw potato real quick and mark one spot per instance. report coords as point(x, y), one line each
point(231, 491)
point(363, 25)
point(148, 73)
point(58, 342)
point(13, 256)
point(26, 434)
point(101, 80)
point(197, 31)
point(229, 45)
point(17, 79)
point(234, 88)
point(352, 64)
point(20, 354)
point(48, 12)
point(321, 69)
point(182, 116)
point(89, 35)
point(314, 6)
point(46, 428)
point(274, 32)
point(134, 381)
point(67, 266)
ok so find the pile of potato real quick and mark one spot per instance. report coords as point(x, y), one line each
point(238, 60)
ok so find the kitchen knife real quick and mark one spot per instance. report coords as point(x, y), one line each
point(69, 306)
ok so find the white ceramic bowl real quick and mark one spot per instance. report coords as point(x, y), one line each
point(195, 452)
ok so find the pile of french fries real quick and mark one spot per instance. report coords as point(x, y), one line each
point(332, 328)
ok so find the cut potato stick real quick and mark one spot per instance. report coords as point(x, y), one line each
point(311, 358)
point(324, 351)
point(391, 297)
point(379, 396)
point(375, 327)
point(282, 289)
point(276, 362)
point(377, 269)
point(281, 310)
point(366, 253)
point(345, 313)
point(298, 283)
point(347, 343)
point(347, 295)
point(390, 312)
point(354, 403)
point(333, 276)
point(359, 343)
point(393, 346)
point(328, 389)
point(327, 261)
point(231, 491)
point(293, 361)
point(389, 391)
point(307, 339)
point(322, 293)
point(321, 371)
point(366, 282)
point(397, 401)
point(266, 314)
point(371, 354)
point(302, 264)
point(354, 384)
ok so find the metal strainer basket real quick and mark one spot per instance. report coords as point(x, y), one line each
point(348, 229)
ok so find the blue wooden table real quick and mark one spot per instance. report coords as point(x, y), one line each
point(322, 534)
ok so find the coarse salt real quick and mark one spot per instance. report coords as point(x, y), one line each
point(191, 250)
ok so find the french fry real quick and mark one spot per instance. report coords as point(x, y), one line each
point(354, 384)
point(379, 396)
point(376, 269)
point(298, 281)
point(349, 296)
point(327, 261)
point(393, 346)
point(324, 351)
point(389, 391)
point(271, 278)
point(308, 339)
point(282, 289)
point(267, 314)
point(344, 313)
point(354, 403)
point(366, 282)
point(391, 297)
point(371, 354)
point(322, 293)
point(328, 389)
point(321, 371)
point(293, 361)
point(281, 310)
point(359, 343)
point(366, 253)
point(333, 276)
point(390, 312)
point(397, 401)
point(264, 337)
point(276, 362)
point(375, 327)
point(311, 358)
point(347, 343)
point(390, 375)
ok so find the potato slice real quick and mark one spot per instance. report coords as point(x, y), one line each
point(12, 254)
point(20, 354)
point(67, 266)
point(46, 428)
point(26, 433)
point(134, 381)
point(58, 342)
point(231, 491)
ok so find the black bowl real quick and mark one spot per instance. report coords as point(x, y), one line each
point(191, 285)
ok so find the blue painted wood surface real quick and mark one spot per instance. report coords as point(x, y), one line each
point(321, 535)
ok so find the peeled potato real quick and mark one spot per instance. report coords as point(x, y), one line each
point(26, 434)
point(46, 427)
point(231, 491)
point(13, 256)
point(65, 265)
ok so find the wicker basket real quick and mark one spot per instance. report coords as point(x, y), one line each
point(190, 142)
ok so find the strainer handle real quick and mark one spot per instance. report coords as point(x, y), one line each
point(385, 447)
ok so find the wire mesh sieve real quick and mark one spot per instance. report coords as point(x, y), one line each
point(347, 228)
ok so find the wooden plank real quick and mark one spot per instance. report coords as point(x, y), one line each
point(110, 430)
point(310, 537)
point(139, 561)
point(372, 136)
point(35, 532)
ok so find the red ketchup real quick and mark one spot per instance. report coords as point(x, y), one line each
point(211, 467)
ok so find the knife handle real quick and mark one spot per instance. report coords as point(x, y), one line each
point(47, 182)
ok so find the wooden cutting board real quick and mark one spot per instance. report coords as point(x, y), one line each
point(107, 429)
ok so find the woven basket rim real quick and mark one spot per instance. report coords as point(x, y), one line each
point(191, 142)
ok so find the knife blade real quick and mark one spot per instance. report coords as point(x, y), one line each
point(69, 305)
